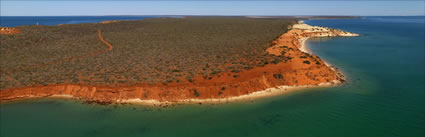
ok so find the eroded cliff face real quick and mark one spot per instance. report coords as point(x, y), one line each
point(301, 69)
point(219, 87)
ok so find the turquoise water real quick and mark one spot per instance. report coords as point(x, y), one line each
point(384, 97)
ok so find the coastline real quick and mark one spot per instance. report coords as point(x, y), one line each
point(270, 90)
point(304, 47)
point(247, 97)
point(254, 95)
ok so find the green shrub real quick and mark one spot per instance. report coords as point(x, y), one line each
point(189, 78)
point(175, 70)
point(235, 70)
point(278, 76)
point(220, 93)
point(197, 94)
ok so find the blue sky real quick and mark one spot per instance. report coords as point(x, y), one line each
point(362, 8)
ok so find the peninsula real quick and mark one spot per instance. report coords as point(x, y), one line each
point(188, 60)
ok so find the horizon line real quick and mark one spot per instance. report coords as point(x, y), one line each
point(205, 15)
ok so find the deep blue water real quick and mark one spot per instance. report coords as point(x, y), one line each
point(13, 21)
point(384, 97)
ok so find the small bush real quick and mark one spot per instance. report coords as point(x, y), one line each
point(235, 71)
point(175, 70)
point(197, 94)
point(189, 78)
point(220, 93)
point(275, 61)
point(306, 62)
point(214, 72)
point(248, 67)
point(278, 76)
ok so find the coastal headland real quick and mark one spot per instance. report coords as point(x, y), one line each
point(286, 65)
point(8, 31)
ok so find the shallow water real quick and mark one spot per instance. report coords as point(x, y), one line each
point(384, 96)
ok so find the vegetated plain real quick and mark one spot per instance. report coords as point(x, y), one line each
point(151, 51)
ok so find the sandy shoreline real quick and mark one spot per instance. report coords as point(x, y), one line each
point(254, 95)
point(304, 47)
point(247, 97)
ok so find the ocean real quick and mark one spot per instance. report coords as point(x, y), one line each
point(13, 21)
point(384, 97)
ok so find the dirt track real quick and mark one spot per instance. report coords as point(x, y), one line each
point(99, 34)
